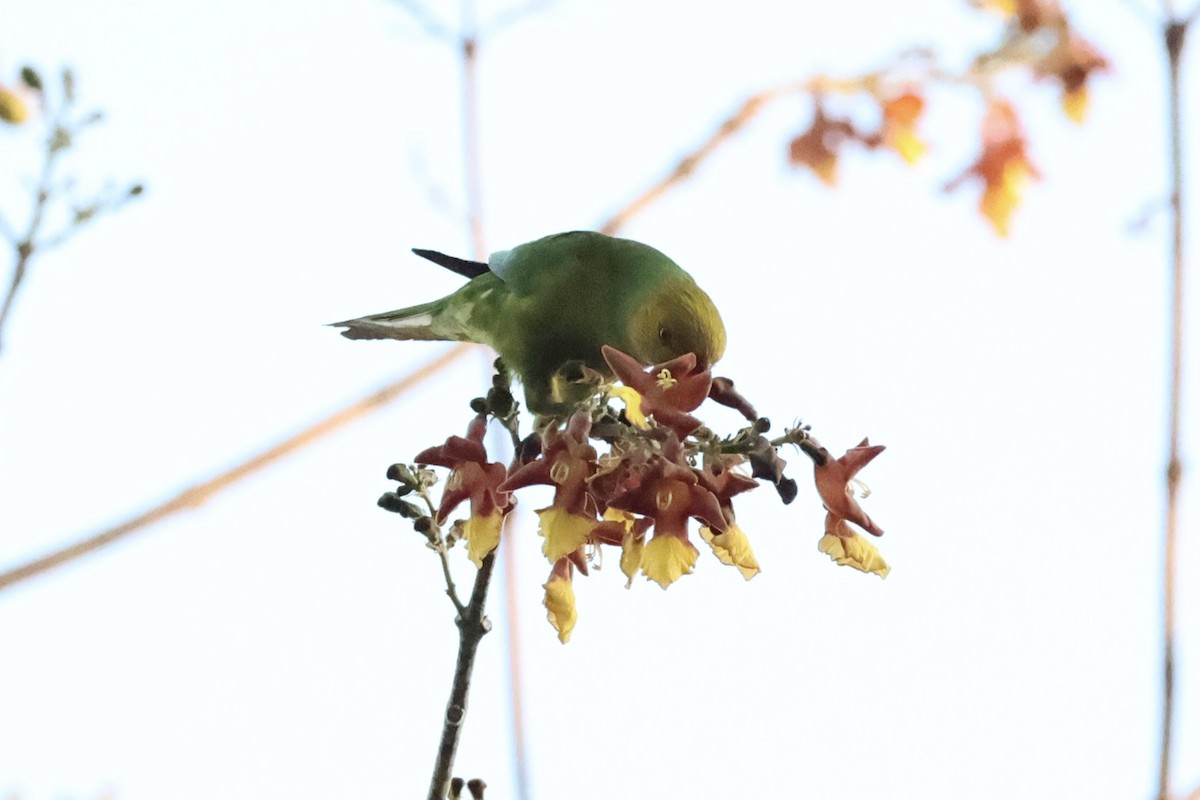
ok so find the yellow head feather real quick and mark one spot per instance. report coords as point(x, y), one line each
point(677, 317)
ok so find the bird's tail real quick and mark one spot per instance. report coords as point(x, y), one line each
point(414, 322)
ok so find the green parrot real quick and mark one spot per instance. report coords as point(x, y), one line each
point(547, 306)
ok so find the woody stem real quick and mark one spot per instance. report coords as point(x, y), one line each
point(472, 624)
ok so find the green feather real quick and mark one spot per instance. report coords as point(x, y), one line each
point(553, 302)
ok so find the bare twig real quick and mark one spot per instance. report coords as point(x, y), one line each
point(24, 246)
point(469, 52)
point(1173, 37)
point(200, 493)
point(469, 49)
point(442, 549)
point(427, 20)
point(61, 133)
point(515, 14)
point(683, 170)
point(730, 127)
point(472, 626)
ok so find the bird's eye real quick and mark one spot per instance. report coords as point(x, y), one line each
point(663, 333)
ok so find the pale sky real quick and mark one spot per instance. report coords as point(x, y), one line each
point(290, 639)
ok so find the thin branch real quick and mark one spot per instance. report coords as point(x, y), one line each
point(515, 14)
point(7, 231)
point(438, 544)
point(1142, 12)
point(469, 49)
point(25, 246)
point(427, 20)
point(683, 170)
point(1173, 37)
point(200, 493)
point(472, 626)
point(730, 127)
point(469, 52)
point(451, 589)
point(60, 134)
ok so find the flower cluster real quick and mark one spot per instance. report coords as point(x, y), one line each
point(819, 146)
point(637, 479)
point(882, 109)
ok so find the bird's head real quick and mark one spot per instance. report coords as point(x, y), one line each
point(677, 318)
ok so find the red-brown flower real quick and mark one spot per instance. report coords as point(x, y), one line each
point(474, 478)
point(666, 391)
point(670, 494)
point(833, 483)
point(731, 547)
point(818, 147)
point(1003, 166)
point(566, 463)
point(1071, 63)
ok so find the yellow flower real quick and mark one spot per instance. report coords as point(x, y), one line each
point(633, 405)
point(631, 555)
point(667, 558)
point(900, 115)
point(482, 534)
point(1075, 103)
point(560, 601)
point(733, 548)
point(13, 108)
point(855, 551)
point(1000, 199)
point(564, 532)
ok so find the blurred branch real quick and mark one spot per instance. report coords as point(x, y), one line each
point(61, 134)
point(745, 113)
point(686, 166)
point(516, 14)
point(427, 20)
point(471, 622)
point(200, 493)
point(1174, 34)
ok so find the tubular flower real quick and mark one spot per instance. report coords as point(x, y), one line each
point(624, 530)
point(566, 463)
point(560, 600)
point(731, 546)
point(666, 391)
point(1071, 63)
point(818, 147)
point(667, 558)
point(833, 479)
point(900, 115)
point(851, 549)
point(563, 532)
point(1003, 166)
point(474, 478)
point(669, 494)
